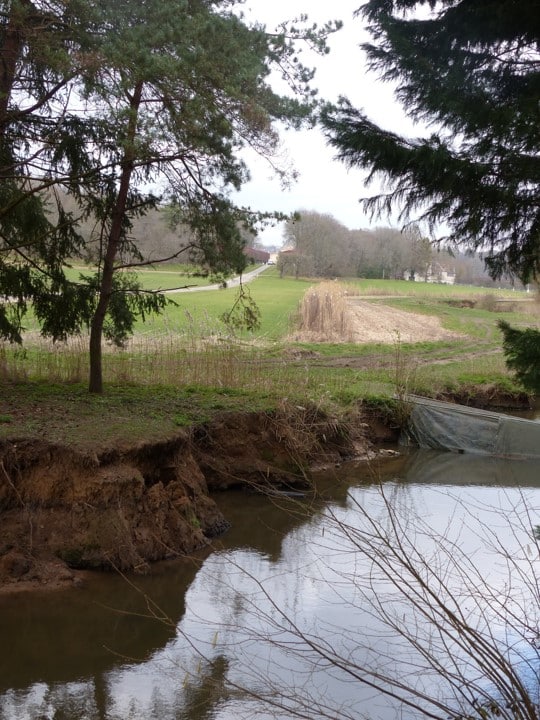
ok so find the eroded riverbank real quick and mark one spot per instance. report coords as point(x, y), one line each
point(67, 508)
point(64, 510)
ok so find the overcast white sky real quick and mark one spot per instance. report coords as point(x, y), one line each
point(325, 185)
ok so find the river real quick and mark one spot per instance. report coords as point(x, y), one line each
point(321, 606)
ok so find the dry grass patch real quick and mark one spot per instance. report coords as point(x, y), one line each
point(329, 312)
point(324, 315)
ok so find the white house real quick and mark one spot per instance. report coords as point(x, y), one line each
point(435, 273)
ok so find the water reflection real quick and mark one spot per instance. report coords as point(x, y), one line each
point(66, 636)
point(436, 468)
point(242, 620)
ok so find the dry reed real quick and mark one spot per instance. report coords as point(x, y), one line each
point(324, 314)
point(167, 359)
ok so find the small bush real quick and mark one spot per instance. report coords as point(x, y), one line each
point(522, 352)
point(488, 302)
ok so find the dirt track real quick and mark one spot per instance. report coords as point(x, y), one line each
point(377, 323)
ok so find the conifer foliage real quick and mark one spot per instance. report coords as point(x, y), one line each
point(128, 106)
point(522, 350)
point(471, 72)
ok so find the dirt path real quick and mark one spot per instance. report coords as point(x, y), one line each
point(378, 323)
point(231, 282)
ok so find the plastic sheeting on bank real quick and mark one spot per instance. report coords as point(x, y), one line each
point(445, 426)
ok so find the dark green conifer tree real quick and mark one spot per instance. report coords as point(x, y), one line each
point(471, 71)
point(42, 146)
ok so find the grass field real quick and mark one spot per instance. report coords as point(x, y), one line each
point(164, 278)
point(189, 360)
point(194, 311)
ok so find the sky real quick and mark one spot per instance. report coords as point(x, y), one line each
point(325, 185)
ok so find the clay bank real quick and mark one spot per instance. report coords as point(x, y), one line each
point(63, 510)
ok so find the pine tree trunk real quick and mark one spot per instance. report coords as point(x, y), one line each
point(113, 243)
point(11, 51)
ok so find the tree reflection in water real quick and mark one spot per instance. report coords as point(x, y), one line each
point(407, 598)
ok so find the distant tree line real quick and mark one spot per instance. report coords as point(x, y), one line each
point(315, 245)
point(156, 235)
point(318, 245)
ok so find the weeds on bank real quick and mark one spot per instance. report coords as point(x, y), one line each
point(452, 377)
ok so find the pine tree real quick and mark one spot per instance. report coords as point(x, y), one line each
point(146, 103)
point(522, 350)
point(471, 70)
point(184, 87)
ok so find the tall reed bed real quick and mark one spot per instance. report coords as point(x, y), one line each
point(168, 359)
point(226, 364)
point(159, 360)
point(324, 314)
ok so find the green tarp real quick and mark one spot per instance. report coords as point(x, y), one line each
point(445, 426)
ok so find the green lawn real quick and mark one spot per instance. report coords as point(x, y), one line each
point(278, 299)
point(406, 287)
point(189, 347)
point(165, 278)
point(199, 312)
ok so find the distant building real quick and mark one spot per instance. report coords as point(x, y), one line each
point(435, 273)
point(256, 255)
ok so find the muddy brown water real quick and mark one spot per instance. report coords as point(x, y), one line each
point(206, 638)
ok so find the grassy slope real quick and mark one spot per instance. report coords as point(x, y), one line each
point(164, 278)
point(168, 379)
point(194, 312)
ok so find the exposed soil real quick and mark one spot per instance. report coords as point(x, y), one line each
point(374, 322)
point(378, 323)
point(63, 510)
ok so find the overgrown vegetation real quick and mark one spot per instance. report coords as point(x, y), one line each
point(190, 365)
point(125, 109)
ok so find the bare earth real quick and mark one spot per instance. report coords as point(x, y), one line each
point(377, 323)
point(364, 321)
point(63, 510)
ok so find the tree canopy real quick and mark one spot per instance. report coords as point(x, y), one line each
point(471, 72)
point(522, 350)
point(318, 245)
point(127, 106)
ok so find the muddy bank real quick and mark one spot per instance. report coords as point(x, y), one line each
point(490, 398)
point(63, 510)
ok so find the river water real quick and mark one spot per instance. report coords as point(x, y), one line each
point(323, 606)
